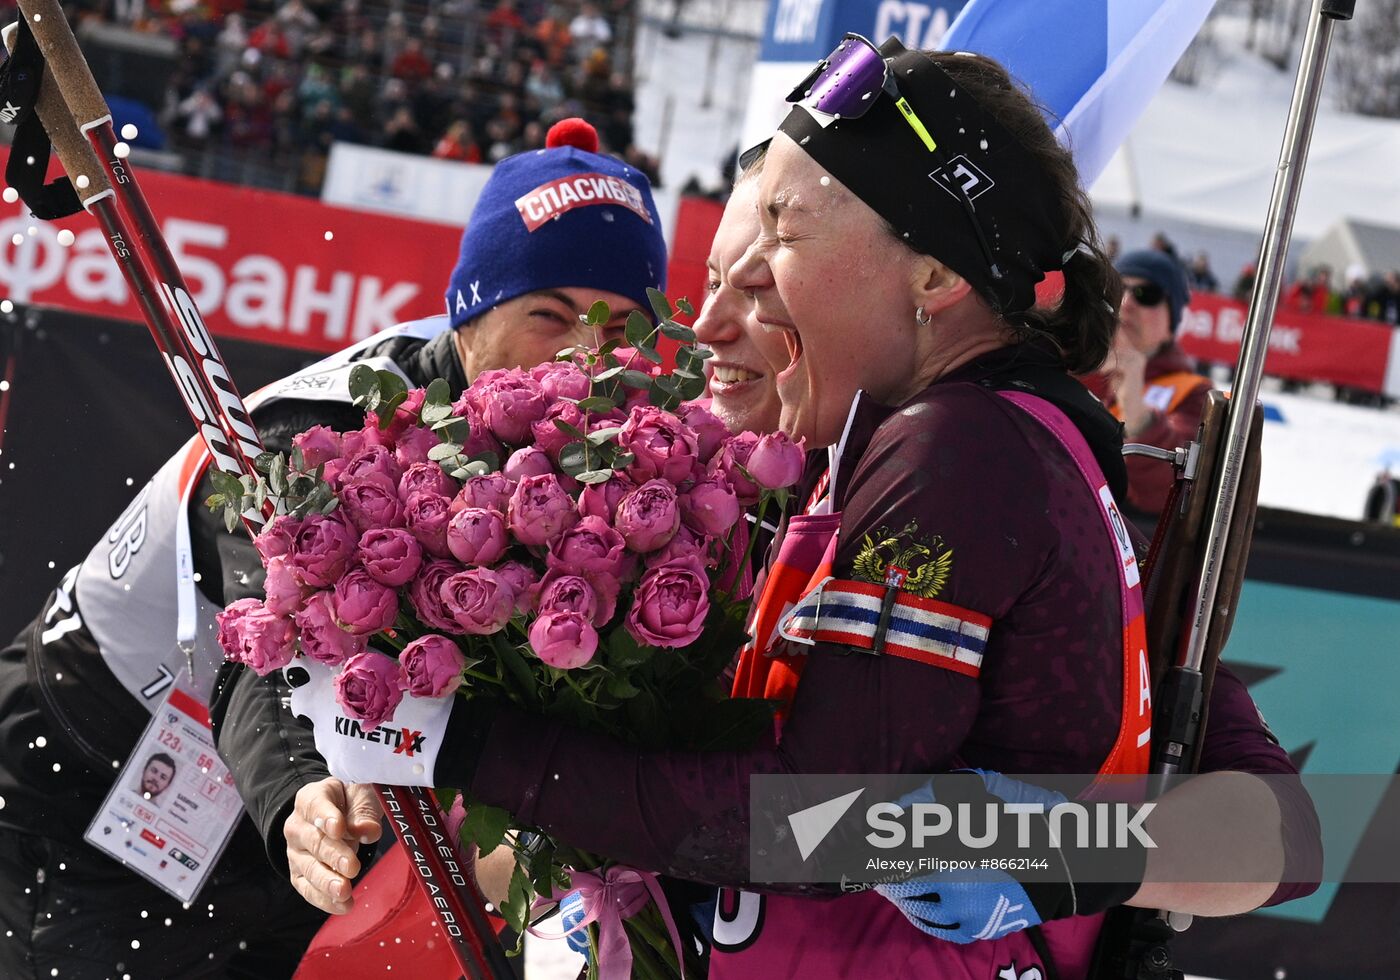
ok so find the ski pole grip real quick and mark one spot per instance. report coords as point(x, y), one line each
point(73, 150)
point(60, 49)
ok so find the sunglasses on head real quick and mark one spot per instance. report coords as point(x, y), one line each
point(1147, 294)
point(846, 83)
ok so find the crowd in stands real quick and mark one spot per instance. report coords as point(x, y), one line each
point(279, 81)
point(1374, 296)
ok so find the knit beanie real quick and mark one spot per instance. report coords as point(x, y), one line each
point(1163, 270)
point(560, 217)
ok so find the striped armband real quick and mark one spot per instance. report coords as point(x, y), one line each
point(930, 632)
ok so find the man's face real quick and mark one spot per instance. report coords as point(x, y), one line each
point(1145, 327)
point(531, 329)
point(156, 778)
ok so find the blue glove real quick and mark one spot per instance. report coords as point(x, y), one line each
point(969, 906)
point(571, 914)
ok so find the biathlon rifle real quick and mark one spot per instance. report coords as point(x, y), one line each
point(1195, 567)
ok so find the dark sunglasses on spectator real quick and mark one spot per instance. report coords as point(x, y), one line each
point(1147, 294)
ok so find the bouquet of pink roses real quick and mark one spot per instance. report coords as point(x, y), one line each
point(571, 538)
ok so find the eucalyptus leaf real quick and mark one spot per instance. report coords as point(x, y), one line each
point(444, 450)
point(391, 384)
point(263, 461)
point(485, 826)
point(639, 331)
point(599, 436)
point(605, 376)
point(660, 305)
point(609, 347)
point(594, 476)
point(651, 354)
point(214, 501)
point(636, 379)
point(597, 403)
point(298, 460)
point(598, 314)
point(568, 429)
point(231, 518)
point(573, 458)
point(364, 386)
point(277, 474)
point(684, 306)
point(431, 414)
point(520, 895)
point(226, 483)
point(438, 392)
point(677, 331)
point(623, 460)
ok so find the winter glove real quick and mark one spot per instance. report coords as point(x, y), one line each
point(570, 915)
point(968, 906)
point(402, 751)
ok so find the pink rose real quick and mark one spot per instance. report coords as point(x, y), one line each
point(412, 447)
point(548, 437)
point(477, 536)
point(710, 432)
point(710, 506)
point(356, 441)
point(560, 379)
point(405, 417)
point(425, 478)
point(374, 459)
point(491, 491)
point(362, 605)
point(648, 516)
point(322, 550)
point(368, 688)
point(685, 545)
point(733, 455)
point(663, 446)
point(564, 639)
point(540, 510)
point(560, 592)
point(275, 539)
point(285, 592)
point(479, 437)
point(426, 515)
point(371, 501)
point(318, 445)
point(425, 594)
point(479, 600)
point(229, 637)
point(390, 555)
point(670, 605)
point(511, 404)
point(522, 581)
point(776, 461)
point(527, 462)
point(592, 548)
point(259, 638)
point(322, 638)
point(601, 499)
point(431, 667)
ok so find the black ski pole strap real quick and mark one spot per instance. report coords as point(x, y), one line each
point(20, 78)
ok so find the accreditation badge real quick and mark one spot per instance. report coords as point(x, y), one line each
point(173, 807)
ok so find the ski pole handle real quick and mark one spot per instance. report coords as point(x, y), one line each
point(60, 49)
point(74, 152)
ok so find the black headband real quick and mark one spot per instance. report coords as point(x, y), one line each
point(879, 157)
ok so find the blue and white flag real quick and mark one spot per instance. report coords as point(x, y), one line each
point(1093, 64)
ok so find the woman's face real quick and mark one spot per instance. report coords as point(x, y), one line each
point(830, 280)
point(747, 358)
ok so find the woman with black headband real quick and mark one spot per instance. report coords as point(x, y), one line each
point(957, 592)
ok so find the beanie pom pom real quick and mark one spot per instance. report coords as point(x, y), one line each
point(573, 132)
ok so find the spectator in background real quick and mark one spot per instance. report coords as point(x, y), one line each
point(1387, 302)
point(1148, 382)
point(412, 65)
point(1200, 275)
point(1244, 284)
point(590, 29)
point(457, 144)
point(199, 116)
point(1161, 243)
point(401, 132)
point(1357, 296)
point(504, 23)
point(1312, 294)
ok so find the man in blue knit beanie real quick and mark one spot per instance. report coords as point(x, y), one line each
point(1154, 387)
point(554, 231)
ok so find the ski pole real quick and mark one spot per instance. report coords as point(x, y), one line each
point(70, 109)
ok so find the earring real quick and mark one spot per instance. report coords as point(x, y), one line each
point(923, 319)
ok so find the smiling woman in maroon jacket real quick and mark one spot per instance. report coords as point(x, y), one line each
point(955, 433)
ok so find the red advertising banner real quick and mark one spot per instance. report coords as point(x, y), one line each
point(261, 266)
point(1306, 346)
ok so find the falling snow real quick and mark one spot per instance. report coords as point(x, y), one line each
point(11, 195)
point(65, 237)
point(129, 132)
